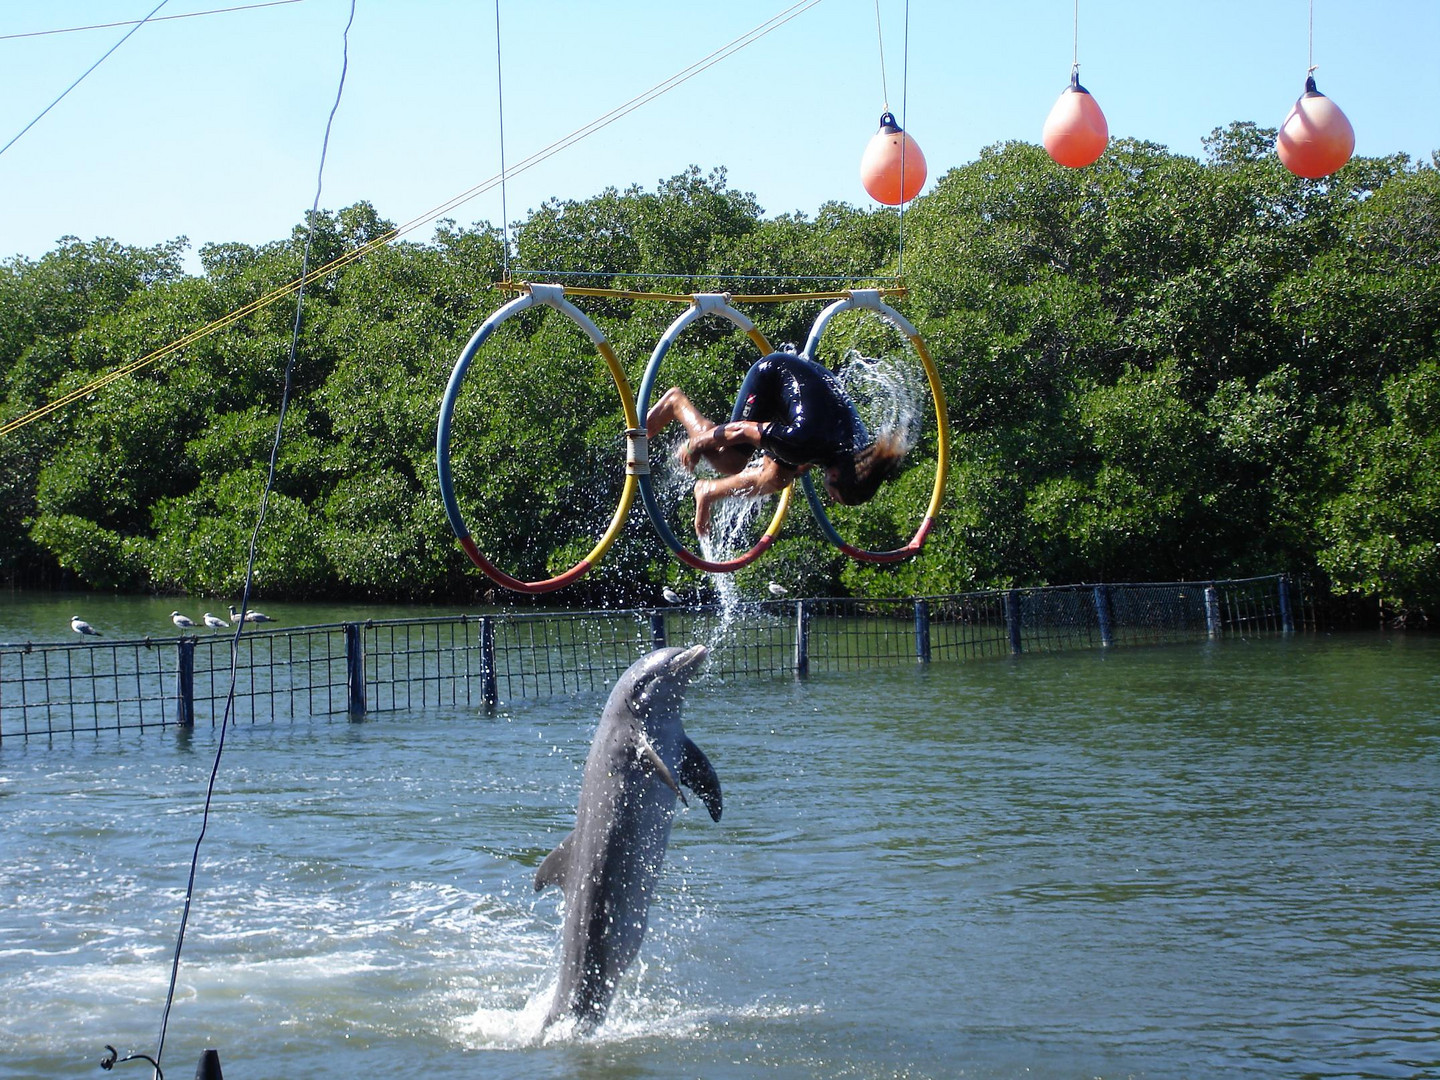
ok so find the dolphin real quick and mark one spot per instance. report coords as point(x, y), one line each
point(608, 864)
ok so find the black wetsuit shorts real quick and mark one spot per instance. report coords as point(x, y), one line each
point(812, 420)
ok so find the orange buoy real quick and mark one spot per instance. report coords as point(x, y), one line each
point(1075, 133)
point(892, 167)
point(1316, 138)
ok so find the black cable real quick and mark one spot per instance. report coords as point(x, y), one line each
point(81, 79)
point(137, 22)
point(255, 536)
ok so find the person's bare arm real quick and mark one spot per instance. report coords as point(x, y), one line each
point(765, 479)
point(735, 434)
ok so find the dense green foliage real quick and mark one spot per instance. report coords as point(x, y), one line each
point(1157, 368)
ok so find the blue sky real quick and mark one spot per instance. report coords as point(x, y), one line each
point(210, 127)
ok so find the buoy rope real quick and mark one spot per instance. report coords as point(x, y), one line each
point(77, 82)
point(500, 112)
point(880, 37)
point(1075, 44)
point(1310, 54)
point(255, 537)
point(904, 121)
point(723, 53)
point(137, 22)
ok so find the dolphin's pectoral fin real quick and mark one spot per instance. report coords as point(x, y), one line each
point(698, 775)
point(646, 752)
point(552, 870)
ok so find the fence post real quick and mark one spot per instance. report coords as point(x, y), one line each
point(1212, 611)
point(1012, 619)
point(1287, 620)
point(1102, 615)
point(487, 662)
point(922, 631)
point(355, 670)
point(802, 638)
point(657, 630)
point(185, 683)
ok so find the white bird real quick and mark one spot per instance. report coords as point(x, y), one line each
point(250, 616)
point(83, 628)
point(214, 621)
point(671, 596)
point(181, 621)
point(777, 590)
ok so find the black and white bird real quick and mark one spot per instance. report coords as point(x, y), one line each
point(777, 590)
point(214, 621)
point(250, 616)
point(182, 621)
point(83, 628)
point(671, 596)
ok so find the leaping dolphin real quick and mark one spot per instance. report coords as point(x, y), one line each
point(608, 864)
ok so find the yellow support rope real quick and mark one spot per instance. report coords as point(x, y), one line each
point(722, 53)
point(195, 335)
point(898, 292)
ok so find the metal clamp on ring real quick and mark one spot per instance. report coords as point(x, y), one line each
point(637, 452)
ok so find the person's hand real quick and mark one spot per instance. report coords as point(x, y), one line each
point(687, 455)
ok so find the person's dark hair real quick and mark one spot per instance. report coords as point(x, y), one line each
point(859, 476)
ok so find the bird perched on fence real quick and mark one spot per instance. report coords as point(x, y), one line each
point(182, 621)
point(250, 616)
point(777, 590)
point(83, 628)
point(214, 621)
point(671, 596)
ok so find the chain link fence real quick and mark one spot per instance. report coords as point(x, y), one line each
point(480, 661)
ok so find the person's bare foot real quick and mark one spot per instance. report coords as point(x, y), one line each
point(703, 501)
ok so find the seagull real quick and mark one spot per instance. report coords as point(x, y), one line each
point(181, 621)
point(214, 621)
point(250, 616)
point(671, 596)
point(777, 590)
point(83, 628)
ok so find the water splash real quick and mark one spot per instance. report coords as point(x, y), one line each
point(888, 393)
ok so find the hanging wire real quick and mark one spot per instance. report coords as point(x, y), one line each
point(136, 22)
point(904, 125)
point(724, 52)
point(884, 87)
point(255, 537)
point(1075, 46)
point(1310, 55)
point(77, 82)
point(500, 108)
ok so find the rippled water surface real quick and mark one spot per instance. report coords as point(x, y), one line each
point(1207, 860)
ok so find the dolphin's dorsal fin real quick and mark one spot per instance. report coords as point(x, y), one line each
point(646, 752)
point(552, 870)
point(698, 775)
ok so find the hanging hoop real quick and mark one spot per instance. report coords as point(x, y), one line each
point(869, 300)
point(702, 304)
point(551, 296)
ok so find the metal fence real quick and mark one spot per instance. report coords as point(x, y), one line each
point(478, 661)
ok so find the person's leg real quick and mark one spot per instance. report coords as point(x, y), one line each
point(765, 479)
point(674, 405)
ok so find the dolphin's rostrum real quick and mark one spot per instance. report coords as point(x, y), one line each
point(608, 864)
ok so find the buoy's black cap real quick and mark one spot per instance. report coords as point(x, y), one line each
point(888, 125)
